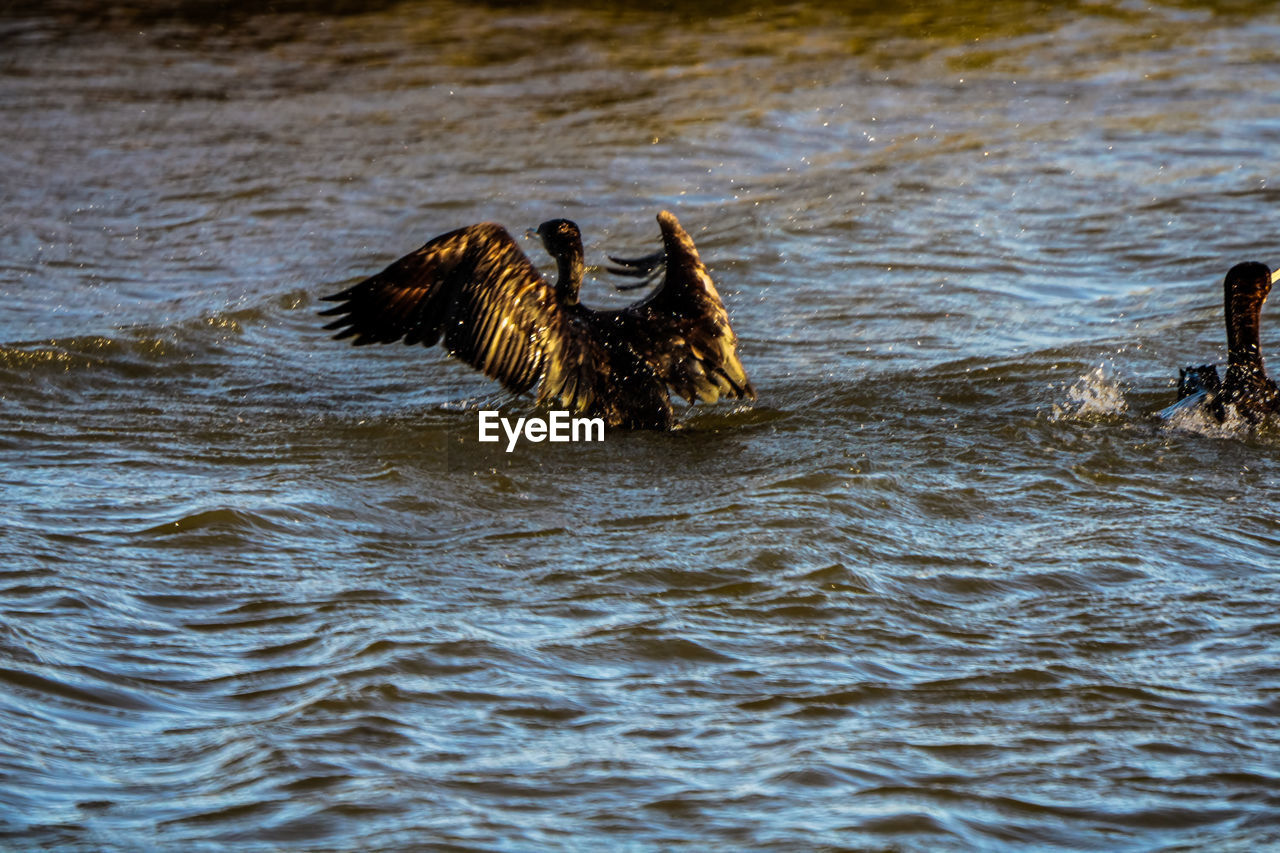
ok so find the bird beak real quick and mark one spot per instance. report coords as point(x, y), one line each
point(531, 232)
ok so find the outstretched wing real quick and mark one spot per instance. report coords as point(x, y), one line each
point(682, 328)
point(475, 288)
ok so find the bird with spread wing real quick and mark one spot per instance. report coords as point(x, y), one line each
point(474, 291)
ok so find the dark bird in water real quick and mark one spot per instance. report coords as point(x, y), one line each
point(475, 289)
point(1246, 390)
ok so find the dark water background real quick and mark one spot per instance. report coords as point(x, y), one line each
point(946, 586)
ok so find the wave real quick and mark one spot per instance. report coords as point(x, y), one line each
point(216, 349)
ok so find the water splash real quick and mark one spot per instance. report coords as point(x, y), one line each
point(1190, 414)
point(1096, 394)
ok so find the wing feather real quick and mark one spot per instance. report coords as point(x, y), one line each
point(472, 287)
point(683, 328)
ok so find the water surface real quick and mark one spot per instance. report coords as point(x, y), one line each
point(947, 585)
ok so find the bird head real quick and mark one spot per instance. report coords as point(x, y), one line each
point(560, 237)
point(563, 241)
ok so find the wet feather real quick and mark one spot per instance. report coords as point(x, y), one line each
point(477, 291)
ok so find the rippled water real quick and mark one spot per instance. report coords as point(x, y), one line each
point(947, 585)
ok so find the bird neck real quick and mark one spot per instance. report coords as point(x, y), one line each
point(1244, 340)
point(571, 268)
